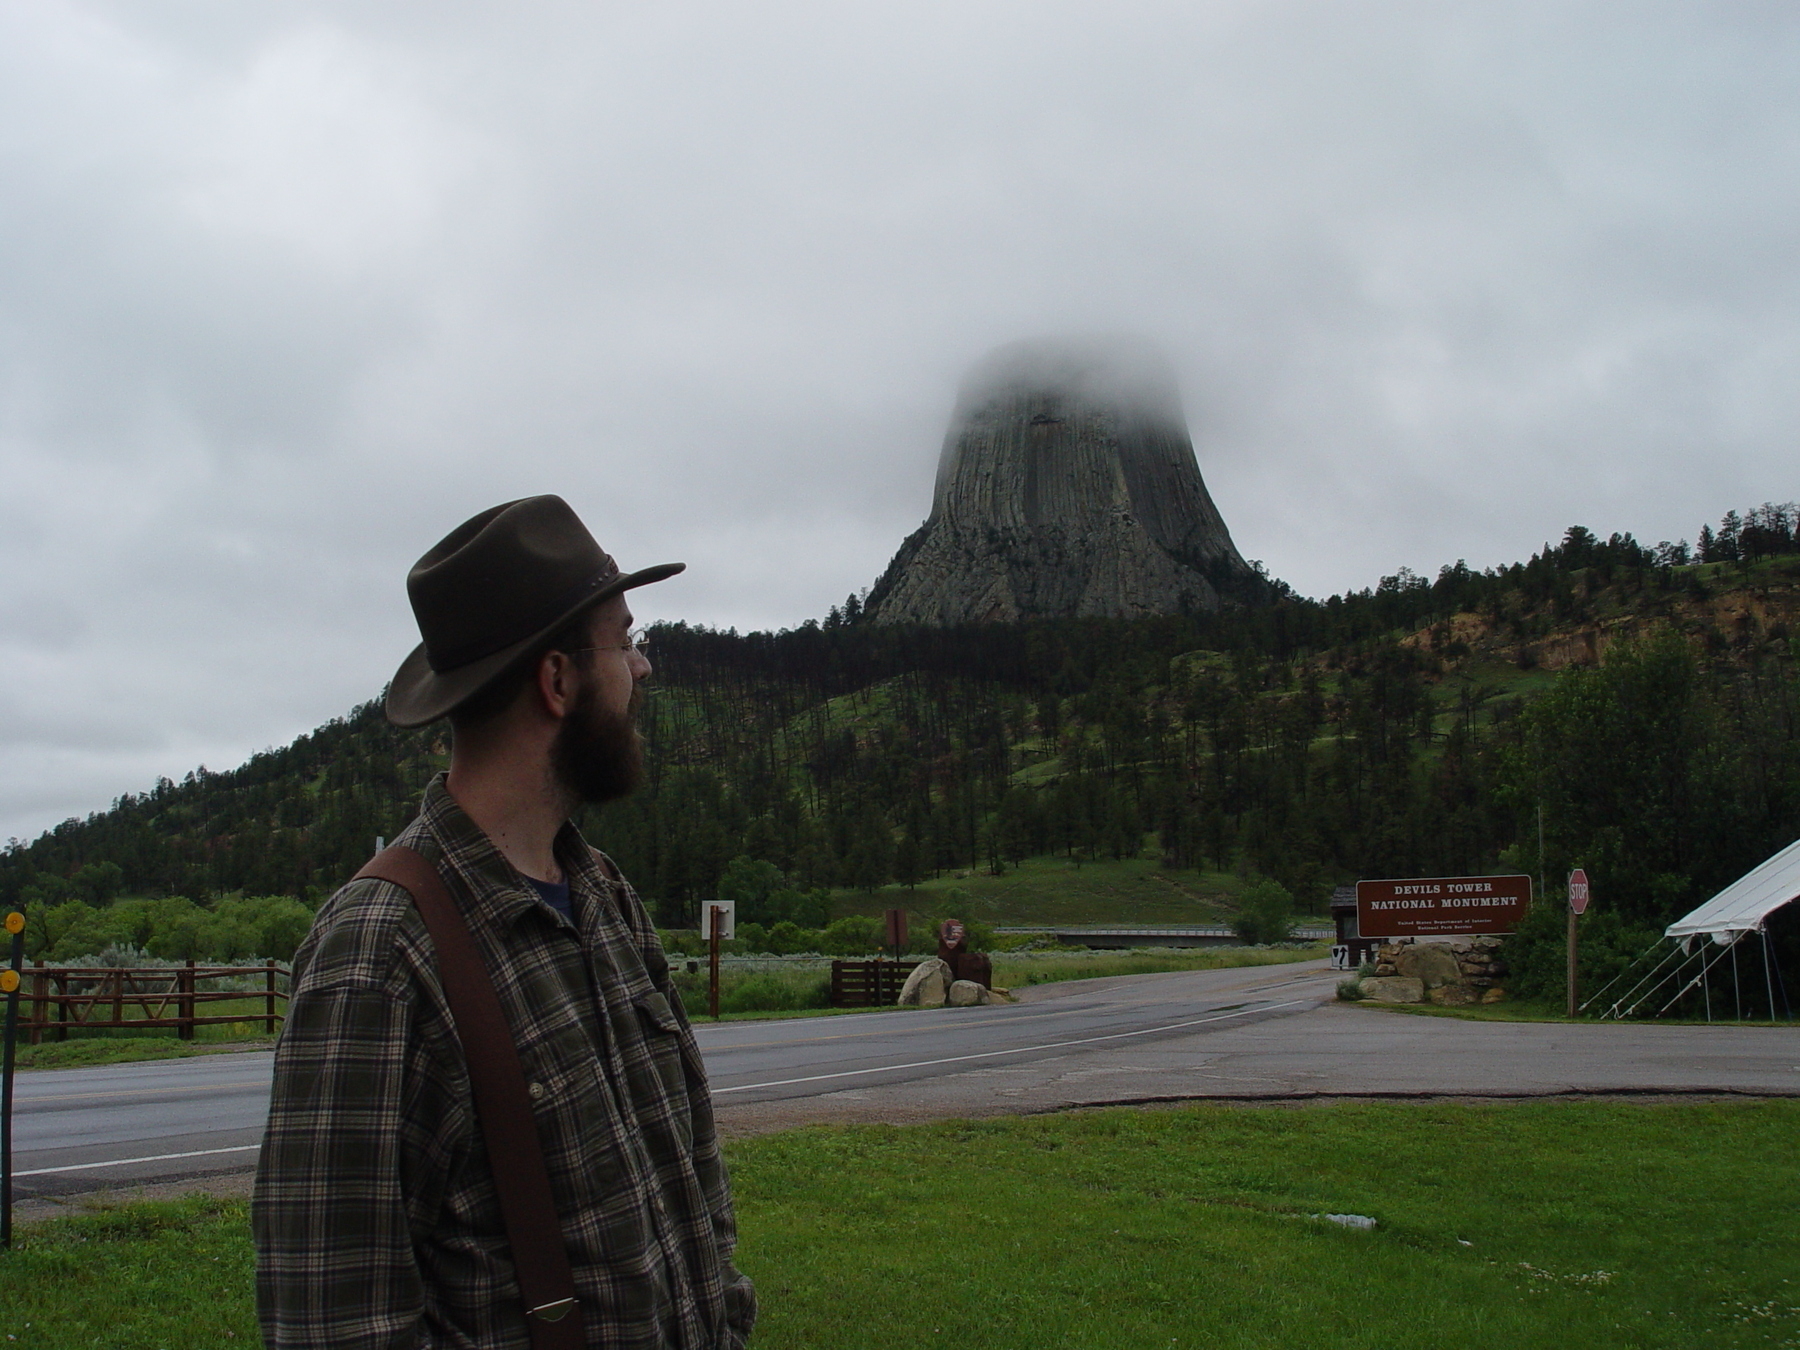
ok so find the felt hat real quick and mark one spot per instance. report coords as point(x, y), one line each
point(490, 592)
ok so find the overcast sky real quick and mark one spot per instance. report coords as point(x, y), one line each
point(288, 290)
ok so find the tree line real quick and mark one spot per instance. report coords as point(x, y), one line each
point(1309, 742)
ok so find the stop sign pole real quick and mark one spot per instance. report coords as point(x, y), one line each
point(1578, 903)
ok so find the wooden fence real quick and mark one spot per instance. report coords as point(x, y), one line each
point(59, 998)
point(868, 984)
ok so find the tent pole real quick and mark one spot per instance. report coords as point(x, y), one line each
point(1768, 980)
point(1594, 997)
point(1698, 981)
point(1618, 1008)
point(1737, 992)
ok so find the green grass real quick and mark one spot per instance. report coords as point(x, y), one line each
point(1543, 1224)
point(124, 1050)
point(1013, 969)
point(1052, 891)
point(160, 1275)
point(1589, 1224)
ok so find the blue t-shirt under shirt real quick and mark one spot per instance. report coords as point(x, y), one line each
point(556, 895)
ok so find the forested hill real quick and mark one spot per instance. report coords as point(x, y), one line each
point(1644, 700)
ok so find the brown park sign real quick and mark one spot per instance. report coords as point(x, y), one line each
point(1441, 906)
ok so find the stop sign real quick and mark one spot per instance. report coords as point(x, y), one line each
point(1578, 891)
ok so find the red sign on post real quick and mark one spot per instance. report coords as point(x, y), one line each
point(1441, 906)
point(1578, 891)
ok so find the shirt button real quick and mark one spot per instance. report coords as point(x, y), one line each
point(537, 1091)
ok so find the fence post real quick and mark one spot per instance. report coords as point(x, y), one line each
point(40, 1005)
point(118, 975)
point(184, 1008)
point(269, 983)
point(62, 1006)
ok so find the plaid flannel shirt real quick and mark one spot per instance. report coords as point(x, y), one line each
point(375, 1215)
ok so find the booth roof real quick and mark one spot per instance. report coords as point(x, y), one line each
point(1743, 906)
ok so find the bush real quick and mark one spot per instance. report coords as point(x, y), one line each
point(766, 991)
point(787, 938)
point(1265, 912)
point(854, 935)
point(1537, 956)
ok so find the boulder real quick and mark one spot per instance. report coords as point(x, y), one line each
point(928, 985)
point(966, 994)
point(1394, 989)
point(1493, 995)
point(1453, 995)
point(1432, 962)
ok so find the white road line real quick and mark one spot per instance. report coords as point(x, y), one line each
point(1017, 1050)
point(125, 1162)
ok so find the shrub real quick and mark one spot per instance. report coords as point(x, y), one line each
point(1537, 956)
point(853, 935)
point(1265, 912)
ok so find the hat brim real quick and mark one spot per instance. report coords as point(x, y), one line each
point(419, 695)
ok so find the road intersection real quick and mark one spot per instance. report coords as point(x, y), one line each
point(1254, 1033)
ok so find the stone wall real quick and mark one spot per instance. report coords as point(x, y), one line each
point(1454, 972)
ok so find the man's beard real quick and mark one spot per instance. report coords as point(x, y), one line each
point(598, 756)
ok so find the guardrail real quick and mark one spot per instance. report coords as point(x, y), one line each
point(61, 998)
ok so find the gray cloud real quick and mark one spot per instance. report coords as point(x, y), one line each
point(285, 292)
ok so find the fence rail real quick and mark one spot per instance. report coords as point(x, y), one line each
point(61, 998)
point(867, 984)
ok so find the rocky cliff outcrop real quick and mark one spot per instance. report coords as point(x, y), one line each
point(1067, 488)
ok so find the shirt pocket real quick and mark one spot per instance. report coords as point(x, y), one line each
point(577, 1121)
point(662, 1038)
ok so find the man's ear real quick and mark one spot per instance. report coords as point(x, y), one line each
point(558, 683)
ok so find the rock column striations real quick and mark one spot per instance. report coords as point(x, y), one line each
point(1067, 488)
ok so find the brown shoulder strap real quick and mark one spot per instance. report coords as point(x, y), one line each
point(501, 1105)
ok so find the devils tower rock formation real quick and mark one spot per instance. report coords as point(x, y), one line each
point(1067, 488)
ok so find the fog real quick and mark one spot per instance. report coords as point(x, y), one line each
point(288, 291)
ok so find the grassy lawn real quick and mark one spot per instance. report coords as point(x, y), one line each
point(1053, 891)
point(1550, 1224)
point(1013, 969)
point(123, 1049)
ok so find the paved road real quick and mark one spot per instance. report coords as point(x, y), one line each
point(1258, 1032)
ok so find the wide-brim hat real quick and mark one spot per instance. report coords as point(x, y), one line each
point(490, 592)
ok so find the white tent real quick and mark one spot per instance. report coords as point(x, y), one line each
point(1745, 905)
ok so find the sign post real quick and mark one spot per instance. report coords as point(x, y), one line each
point(716, 925)
point(1578, 903)
point(721, 926)
point(9, 985)
point(895, 920)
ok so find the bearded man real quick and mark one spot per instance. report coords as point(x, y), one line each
point(489, 1125)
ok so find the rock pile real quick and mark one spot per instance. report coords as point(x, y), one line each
point(931, 986)
point(1453, 974)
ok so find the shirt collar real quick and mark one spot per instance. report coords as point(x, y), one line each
point(500, 895)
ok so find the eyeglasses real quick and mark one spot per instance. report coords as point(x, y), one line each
point(637, 640)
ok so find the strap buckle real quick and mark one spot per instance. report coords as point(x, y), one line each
point(552, 1312)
